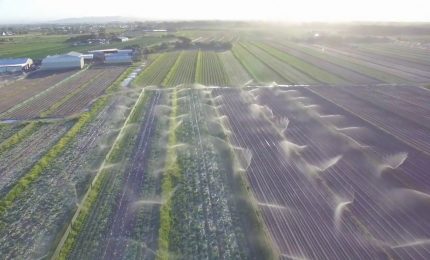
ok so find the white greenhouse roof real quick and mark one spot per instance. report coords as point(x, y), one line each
point(74, 53)
point(104, 50)
point(63, 56)
point(14, 62)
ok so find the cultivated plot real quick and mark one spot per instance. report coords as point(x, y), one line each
point(327, 190)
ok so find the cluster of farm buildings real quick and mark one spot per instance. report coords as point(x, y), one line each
point(100, 41)
point(71, 60)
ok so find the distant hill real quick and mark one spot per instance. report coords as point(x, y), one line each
point(103, 19)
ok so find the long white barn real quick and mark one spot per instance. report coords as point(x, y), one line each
point(71, 60)
point(118, 58)
point(15, 65)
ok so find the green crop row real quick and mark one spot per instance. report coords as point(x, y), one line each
point(237, 74)
point(183, 72)
point(247, 210)
point(18, 137)
point(277, 67)
point(156, 72)
point(171, 173)
point(42, 164)
point(199, 63)
point(210, 70)
point(63, 100)
point(305, 67)
point(57, 149)
point(257, 69)
point(93, 193)
point(347, 62)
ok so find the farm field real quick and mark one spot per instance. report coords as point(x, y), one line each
point(15, 162)
point(117, 202)
point(259, 70)
point(68, 97)
point(210, 70)
point(237, 75)
point(52, 200)
point(158, 70)
point(275, 148)
point(325, 170)
point(183, 71)
point(39, 46)
point(33, 84)
point(387, 64)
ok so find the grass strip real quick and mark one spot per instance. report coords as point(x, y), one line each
point(172, 172)
point(18, 136)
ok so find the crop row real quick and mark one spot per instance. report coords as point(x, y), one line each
point(385, 100)
point(257, 69)
point(360, 171)
point(170, 174)
point(288, 62)
point(316, 169)
point(289, 73)
point(107, 219)
point(344, 74)
point(16, 161)
point(403, 129)
point(7, 130)
point(419, 57)
point(183, 71)
point(210, 70)
point(399, 68)
point(304, 67)
point(80, 100)
point(344, 61)
point(125, 215)
point(292, 207)
point(17, 136)
point(389, 149)
point(24, 89)
point(386, 148)
point(156, 72)
point(38, 105)
point(236, 73)
point(51, 199)
point(202, 217)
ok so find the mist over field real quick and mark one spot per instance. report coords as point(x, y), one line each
point(219, 130)
point(19, 11)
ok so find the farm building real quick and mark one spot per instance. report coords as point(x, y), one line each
point(88, 57)
point(15, 65)
point(105, 51)
point(122, 39)
point(71, 60)
point(126, 51)
point(118, 59)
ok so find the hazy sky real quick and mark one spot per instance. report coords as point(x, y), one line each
point(285, 10)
